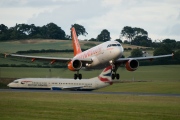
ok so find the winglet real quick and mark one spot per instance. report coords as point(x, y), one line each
point(75, 41)
point(5, 55)
point(173, 55)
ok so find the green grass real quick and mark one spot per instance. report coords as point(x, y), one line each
point(144, 73)
point(49, 105)
point(154, 79)
point(145, 87)
point(45, 106)
point(39, 44)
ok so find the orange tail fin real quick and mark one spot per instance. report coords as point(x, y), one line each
point(75, 41)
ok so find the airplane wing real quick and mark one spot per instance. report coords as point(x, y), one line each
point(123, 60)
point(72, 88)
point(66, 88)
point(52, 59)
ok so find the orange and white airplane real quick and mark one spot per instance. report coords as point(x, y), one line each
point(100, 56)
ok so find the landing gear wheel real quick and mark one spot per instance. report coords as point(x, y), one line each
point(80, 76)
point(75, 76)
point(117, 76)
point(113, 76)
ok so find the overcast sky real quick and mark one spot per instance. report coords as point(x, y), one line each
point(160, 18)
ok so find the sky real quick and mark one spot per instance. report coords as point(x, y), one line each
point(160, 18)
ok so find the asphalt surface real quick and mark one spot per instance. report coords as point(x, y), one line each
point(91, 92)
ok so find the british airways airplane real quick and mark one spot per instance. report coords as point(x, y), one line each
point(103, 80)
point(100, 56)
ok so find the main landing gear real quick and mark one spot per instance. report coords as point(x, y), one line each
point(77, 76)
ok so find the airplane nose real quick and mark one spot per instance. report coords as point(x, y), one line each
point(9, 85)
point(119, 52)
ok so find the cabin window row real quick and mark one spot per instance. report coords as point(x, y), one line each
point(73, 83)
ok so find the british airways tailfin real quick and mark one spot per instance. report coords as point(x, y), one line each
point(75, 41)
point(105, 75)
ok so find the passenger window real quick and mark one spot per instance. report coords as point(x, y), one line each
point(109, 45)
point(118, 44)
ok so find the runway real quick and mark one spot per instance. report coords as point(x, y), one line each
point(92, 92)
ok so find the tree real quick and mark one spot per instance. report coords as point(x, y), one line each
point(52, 31)
point(136, 53)
point(168, 41)
point(35, 31)
point(119, 40)
point(128, 32)
point(140, 32)
point(163, 50)
point(172, 43)
point(104, 36)
point(177, 56)
point(131, 33)
point(142, 41)
point(16, 32)
point(126, 42)
point(92, 39)
point(3, 32)
point(80, 30)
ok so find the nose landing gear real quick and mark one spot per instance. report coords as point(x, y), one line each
point(115, 75)
point(114, 69)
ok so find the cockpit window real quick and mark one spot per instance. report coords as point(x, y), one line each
point(15, 81)
point(118, 44)
point(113, 45)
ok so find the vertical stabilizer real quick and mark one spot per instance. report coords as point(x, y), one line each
point(105, 76)
point(75, 41)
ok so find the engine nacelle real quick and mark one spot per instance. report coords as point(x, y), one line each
point(132, 65)
point(75, 65)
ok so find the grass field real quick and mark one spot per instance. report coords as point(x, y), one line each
point(148, 79)
point(54, 105)
point(46, 106)
point(143, 73)
point(39, 44)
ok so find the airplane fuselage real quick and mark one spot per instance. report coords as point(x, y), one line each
point(102, 54)
point(58, 84)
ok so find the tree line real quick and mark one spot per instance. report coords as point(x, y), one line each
point(130, 35)
point(25, 31)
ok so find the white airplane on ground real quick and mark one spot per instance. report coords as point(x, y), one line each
point(100, 56)
point(103, 80)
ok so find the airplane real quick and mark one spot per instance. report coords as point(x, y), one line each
point(100, 56)
point(103, 80)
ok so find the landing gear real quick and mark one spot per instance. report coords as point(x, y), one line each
point(114, 75)
point(77, 76)
point(114, 69)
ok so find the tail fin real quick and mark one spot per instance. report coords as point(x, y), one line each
point(76, 45)
point(105, 76)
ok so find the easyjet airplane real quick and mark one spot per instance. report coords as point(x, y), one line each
point(103, 80)
point(100, 56)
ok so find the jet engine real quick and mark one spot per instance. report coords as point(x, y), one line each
point(74, 65)
point(132, 65)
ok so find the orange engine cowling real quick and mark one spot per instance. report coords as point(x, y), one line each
point(74, 65)
point(132, 65)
